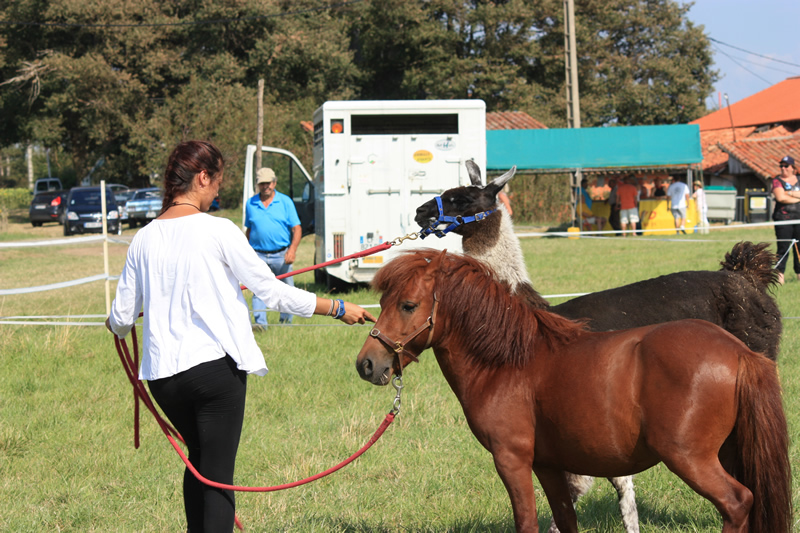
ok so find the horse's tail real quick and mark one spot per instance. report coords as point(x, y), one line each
point(763, 445)
point(753, 260)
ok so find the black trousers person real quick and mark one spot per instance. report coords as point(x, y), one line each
point(784, 235)
point(613, 219)
point(206, 406)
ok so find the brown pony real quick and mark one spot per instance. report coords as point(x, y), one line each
point(539, 391)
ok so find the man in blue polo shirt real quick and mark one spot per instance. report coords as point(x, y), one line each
point(273, 230)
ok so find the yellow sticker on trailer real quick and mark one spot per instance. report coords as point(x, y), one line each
point(423, 156)
point(374, 259)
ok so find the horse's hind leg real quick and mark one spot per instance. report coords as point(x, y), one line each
point(578, 486)
point(707, 477)
point(627, 502)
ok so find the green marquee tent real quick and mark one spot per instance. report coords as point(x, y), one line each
point(594, 149)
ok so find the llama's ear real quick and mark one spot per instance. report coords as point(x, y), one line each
point(474, 172)
point(499, 182)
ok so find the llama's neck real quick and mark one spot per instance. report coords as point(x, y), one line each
point(496, 245)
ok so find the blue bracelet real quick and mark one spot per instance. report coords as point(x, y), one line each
point(340, 311)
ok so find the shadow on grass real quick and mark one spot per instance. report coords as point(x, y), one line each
point(600, 515)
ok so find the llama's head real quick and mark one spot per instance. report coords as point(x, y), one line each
point(464, 201)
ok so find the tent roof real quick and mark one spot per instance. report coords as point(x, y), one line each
point(594, 148)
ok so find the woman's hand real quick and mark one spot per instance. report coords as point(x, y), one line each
point(354, 313)
point(108, 324)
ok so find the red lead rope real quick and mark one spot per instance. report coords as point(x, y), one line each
point(369, 251)
point(131, 366)
point(171, 433)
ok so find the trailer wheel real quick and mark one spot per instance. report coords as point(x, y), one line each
point(320, 276)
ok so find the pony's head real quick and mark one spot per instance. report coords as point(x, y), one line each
point(454, 302)
point(463, 201)
point(406, 325)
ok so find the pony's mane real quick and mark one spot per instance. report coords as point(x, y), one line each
point(497, 328)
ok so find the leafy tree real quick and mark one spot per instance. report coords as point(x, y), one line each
point(640, 61)
point(117, 84)
point(112, 85)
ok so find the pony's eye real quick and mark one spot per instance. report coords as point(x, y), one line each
point(408, 307)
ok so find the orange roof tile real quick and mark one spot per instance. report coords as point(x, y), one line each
point(713, 156)
point(761, 155)
point(715, 159)
point(512, 120)
point(779, 103)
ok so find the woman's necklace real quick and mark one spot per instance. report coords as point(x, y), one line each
point(184, 203)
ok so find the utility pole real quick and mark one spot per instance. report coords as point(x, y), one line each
point(29, 159)
point(571, 59)
point(730, 115)
point(260, 125)
point(573, 100)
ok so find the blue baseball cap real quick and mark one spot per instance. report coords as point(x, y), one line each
point(787, 160)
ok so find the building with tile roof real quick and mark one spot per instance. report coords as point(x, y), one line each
point(743, 143)
point(512, 120)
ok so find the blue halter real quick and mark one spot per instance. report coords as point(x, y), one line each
point(454, 222)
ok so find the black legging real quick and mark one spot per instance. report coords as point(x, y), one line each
point(784, 235)
point(206, 405)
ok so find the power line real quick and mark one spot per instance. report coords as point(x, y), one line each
point(753, 53)
point(189, 23)
point(759, 63)
point(743, 67)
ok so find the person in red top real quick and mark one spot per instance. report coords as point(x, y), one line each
point(628, 196)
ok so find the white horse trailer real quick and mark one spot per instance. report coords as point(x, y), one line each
point(375, 162)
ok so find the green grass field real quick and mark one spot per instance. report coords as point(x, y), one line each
point(67, 462)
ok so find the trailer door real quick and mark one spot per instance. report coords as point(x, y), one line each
point(376, 184)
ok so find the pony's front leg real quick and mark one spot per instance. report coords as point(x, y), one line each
point(515, 471)
point(554, 484)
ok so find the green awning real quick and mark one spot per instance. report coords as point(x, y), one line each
point(594, 148)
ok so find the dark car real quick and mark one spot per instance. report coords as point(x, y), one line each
point(84, 211)
point(48, 207)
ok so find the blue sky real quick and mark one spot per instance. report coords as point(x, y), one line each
point(767, 27)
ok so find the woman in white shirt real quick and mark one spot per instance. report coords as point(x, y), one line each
point(184, 271)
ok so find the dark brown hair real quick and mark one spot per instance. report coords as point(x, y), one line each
point(185, 162)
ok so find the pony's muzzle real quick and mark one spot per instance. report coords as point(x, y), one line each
point(373, 370)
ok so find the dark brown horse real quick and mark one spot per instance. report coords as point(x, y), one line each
point(539, 391)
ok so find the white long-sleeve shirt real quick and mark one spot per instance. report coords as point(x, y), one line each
point(185, 274)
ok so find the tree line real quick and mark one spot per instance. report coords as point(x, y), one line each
point(110, 86)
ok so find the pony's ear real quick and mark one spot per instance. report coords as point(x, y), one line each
point(436, 262)
point(474, 172)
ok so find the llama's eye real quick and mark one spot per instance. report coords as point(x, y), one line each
point(460, 201)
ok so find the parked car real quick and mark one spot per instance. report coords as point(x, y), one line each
point(48, 207)
point(84, 211)
point(144, 206)
point(47, 184)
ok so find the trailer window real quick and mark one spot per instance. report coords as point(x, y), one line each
point(403, 124)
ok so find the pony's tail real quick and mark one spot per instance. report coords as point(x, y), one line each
point(763, 445)
point(753, 260)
